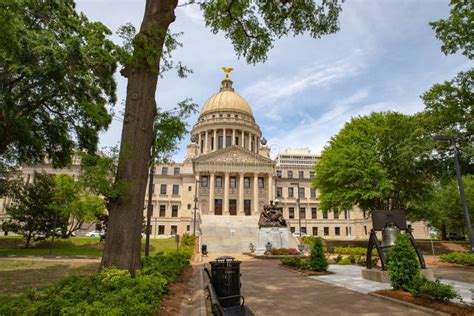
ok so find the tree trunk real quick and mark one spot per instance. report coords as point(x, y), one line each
point(122, 245)
point(444, 235)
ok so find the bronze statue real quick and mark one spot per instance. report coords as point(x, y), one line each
point(271, 216)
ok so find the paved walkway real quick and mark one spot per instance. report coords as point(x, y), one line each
point(271, 290)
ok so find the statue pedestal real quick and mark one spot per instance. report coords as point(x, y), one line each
point(277, 236)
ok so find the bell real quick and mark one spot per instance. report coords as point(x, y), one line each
point(389, 235)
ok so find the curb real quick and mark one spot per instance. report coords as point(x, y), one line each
point(411, 305)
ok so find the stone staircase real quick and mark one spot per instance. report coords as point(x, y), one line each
point(228, 234)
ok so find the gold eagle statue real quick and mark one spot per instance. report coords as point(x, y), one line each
point(227, 71)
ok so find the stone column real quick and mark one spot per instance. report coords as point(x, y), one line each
point(250, 142)
point(226, 194)
point(241, 193)
point(212, 186)
point(257, 145)
point(233, 137)
point(206, 146)
point(215, 139)
point(270, 187)
point(224, 142)
point(243, 139)
point(199, 143)
point(255, 193)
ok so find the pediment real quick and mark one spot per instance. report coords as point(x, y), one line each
point(233, 154)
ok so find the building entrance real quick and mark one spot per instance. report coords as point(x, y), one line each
point(218, 207)
point(233, 207)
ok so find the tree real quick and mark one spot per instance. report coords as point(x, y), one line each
point(56, 79)
point(375, 162)
point(317, 261)
point(32, 213)
point(252, 27)
point(403, 266)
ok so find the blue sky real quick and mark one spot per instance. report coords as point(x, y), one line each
point(383, 58)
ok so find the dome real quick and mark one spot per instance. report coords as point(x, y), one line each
point(226, 100)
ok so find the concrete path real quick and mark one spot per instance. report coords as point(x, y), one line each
point(271, 290)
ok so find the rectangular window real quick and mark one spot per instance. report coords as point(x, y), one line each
point(337, 231)
point(212, 143)
point(291, 212)
point(279, 174)
point(290, 174)
point(279, 192)
point(233, 182)
point(161, 229)
point(312, 192)
point(237, 140)
point(314, 213)
point(163, 189)
point(303, 212)
point(189, 206)
point(175, 189)
point(228, 141)
point(220, 142)
point(301, 195)
point(247, 207)
point(174, 229)
point(190, 188)
point(218, 207)
point(164, 171)
point(162, 210)
point(290, 192)
point(205, 181)
point(348, 231)
point(202, 145)
point(311, 174)
point(218, 182)
point(301, 174)
point(303, 229)
point(346, 214)
point(246, 182)
point(232, 207)
point(292, 229)
point(261, 183)
point(336, 214)
point(325, 214)
point(326, 231)
point(176, 171)
point(174, 211)
point(315, 231)
point(188, 228)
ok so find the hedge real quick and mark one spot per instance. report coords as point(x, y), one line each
point(458, 257)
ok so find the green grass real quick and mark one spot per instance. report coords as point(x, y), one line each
point(74, 246)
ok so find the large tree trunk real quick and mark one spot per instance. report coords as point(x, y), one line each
point(122, 246)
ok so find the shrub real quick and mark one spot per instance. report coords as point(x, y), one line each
point(356, 251)
point(402, 264)
point(338, 258)
point(344, 261)
point(458, 257)
point(292, 262)
point(439, 291)
point(418, 282)
point(188, 240)
point(285, 251)
point(317, 261)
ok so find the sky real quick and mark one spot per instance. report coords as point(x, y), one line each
point(383, 58)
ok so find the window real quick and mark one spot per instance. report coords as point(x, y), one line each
point(301, 174)
point(279, 192)
point(190, 188)
point(176, 171)
point(348, 231)
point(162, 210)
point(326, 231)
point(174, 211)
point(279, 174)
point(189, 206)
point(202, 146)
point(218, 207)
point(303, 230)
point(337, 231)
point(312, 192)
point(228, 141)
point(290, 192)
point(311, 174)
point(188, 228)
point(314, 213)
point(205, 181)
point(164, 171)
point(301, 195)
point(174, 229)
point(233, 182)
point(219, 182)
point(336, 214)
point(163, 189)
point(212, 143)
point(175, 189)
point(291, 212)
point(292, 229)
point(290, 174)
point(315, 231)
point(161, 229)
point(220, 142)
point(303, 212)
point(347, 215)
point(247, 207)
point(246, 182)
point(261, 183)
point(325, 214)
point(236, 140)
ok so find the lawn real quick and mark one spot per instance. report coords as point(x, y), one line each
point(74, 246)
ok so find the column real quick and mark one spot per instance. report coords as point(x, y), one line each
point(270, 187)
point(206, 146)
point(249, 142)
point(257, 145)
point(215, 139)
point(243, 138)
point(224, 142)
point(199, 143)
point(233, 137)
point(241, 193)
point(226, 194)
point(212, 186)
point(255, 193)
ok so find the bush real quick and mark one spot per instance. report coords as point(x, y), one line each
point(111, 292)
point(285, 251)
point(402, 263)
point(344, 261)
point(338, 258)
point(458, 257)
point(356, 251)
point(188, 240)
point(292, 262)
point(317, 260)
point(439, 291)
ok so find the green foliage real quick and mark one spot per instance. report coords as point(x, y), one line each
point(438, 291)
point(358, 251)
point(418, 282)
point(317, 260)
point(403, 265)
point(375, 162)
point(188, 240)
point(458, 257)
point(252, 27)
point(111, 292)
point(296, 262)
point(56, 81)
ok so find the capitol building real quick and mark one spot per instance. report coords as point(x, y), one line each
point(226, 178)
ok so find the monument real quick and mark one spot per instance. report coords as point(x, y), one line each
point(272, 232)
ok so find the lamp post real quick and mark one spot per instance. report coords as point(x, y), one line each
point(452, 140)
point(297, 184)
